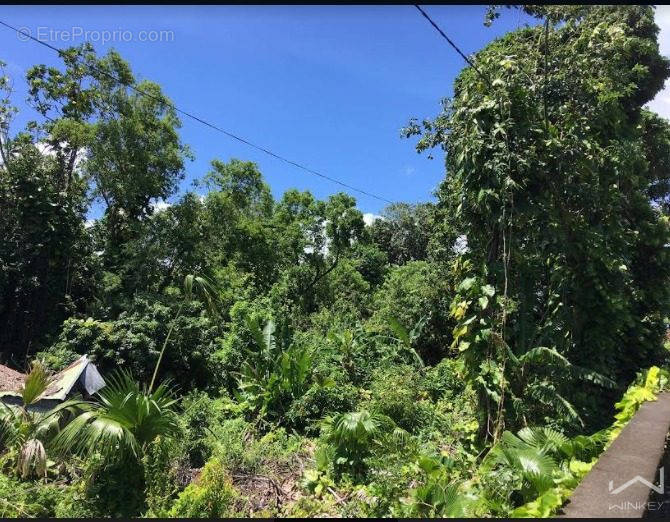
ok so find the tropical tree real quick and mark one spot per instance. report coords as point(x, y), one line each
point(404, 232)
point(554, 172)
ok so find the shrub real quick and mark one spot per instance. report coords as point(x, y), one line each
point(276, 372)
point(160, 465)
point(134, 340)
point(28, 499)
point(410, 293)
point(75, 503)
point(353, 435)
point(445, 379)
point(212, 495)
point(113, 489)
point(396, 392)
point(230, 353)
point(318, 402)
point(200, 413)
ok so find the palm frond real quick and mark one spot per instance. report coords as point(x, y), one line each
point(36, 383)
point(9, 430)
point(546, 394)
point(125, 420)
point(543, 439)
point(95, 432)
point(33, 458)
point(526, 455)
point(542, 354)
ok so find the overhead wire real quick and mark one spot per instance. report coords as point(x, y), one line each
point(205, 122)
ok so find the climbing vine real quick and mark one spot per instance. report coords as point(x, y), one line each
point(553, 177)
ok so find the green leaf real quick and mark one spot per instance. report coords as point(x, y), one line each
point(466, 284)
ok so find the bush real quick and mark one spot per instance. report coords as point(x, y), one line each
point(28, 499)
point(445, 379)
point(318, 402)
point(161, 464)
point(201, 414)
point(212, 495)
point(135, 339)
point(75, 504)
point(353, 354)
point(240, 449)
point(230, 353)
point(396, 392)
point(410, 293)
point(58, 357)
point(115, 489)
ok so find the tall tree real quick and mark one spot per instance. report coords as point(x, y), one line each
point(97, 138)
point(121, 136)
point(551, 165)
point(404, 232)
point(44, 252)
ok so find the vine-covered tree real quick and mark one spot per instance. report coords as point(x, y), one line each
point(554, 172)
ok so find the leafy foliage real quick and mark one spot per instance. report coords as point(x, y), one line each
point(277, 373)
point(352, 434)
point(449, 359)
point(543, 160)
point(125, 421)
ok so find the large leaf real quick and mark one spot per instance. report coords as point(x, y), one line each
point(123, 422)
point(399, 330)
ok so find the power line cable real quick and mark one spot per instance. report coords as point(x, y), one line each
point(450, 42)
point(206, 123)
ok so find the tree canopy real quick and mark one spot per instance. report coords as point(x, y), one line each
point(276, 355)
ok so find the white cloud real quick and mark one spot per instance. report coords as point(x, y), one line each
point(661, 104)
point(370, 218)
point(160, 204)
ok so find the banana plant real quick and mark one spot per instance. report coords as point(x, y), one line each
point(277, 370)
point(409, 338)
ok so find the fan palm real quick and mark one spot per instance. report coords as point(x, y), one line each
point(531, 455)
point(353, 434)
point(434, 498)
point(124, 421)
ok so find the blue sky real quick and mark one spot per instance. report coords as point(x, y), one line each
point(329, 87)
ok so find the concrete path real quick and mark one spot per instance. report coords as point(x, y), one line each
point(620, 483)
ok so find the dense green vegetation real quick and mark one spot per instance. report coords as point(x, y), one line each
point(283, 357)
